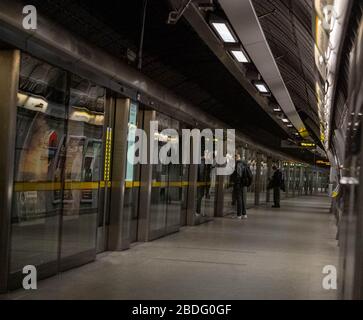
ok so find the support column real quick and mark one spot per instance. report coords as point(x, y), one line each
point(293, 181)
point(220, 189)
point(9, 83)
point(318, 184)
point(258, 179)
point(219, 208)
point(119, 228)
point(192, 194)
point(288, 180)
point(269, 173)
point(301, 182)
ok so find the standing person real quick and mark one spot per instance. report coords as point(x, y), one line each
point(201, 190)
point(242, 178)
point(276, 183)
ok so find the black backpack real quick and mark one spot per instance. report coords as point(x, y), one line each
point(247, 177)
point(242, 175)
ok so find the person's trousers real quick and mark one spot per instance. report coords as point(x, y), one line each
point(277, 196)
point(240, 199)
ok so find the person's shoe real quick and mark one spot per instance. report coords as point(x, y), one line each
point(245, 217)
point(197, 214)
point(239, 217)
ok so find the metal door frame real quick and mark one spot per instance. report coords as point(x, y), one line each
point(9, 84)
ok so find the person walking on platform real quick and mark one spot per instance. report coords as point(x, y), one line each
point(277, 183)
point(241, 178)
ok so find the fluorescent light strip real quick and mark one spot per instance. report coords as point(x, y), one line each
point(240, 56)
point(277, 110)
point(224, 32)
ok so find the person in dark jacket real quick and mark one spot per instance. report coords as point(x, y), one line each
point(276, 184)
point(239, 176)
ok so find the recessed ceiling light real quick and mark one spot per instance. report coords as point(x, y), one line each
point(277, 109)
point(224, 32)
point(261, 87)
point(285, 120)
point(289, 125)
point(240, 56)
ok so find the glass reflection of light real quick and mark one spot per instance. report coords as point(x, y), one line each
point(32, 103)
point(85, 116)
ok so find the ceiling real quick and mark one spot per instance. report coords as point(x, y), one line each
point(287, 25)
point(178, 59)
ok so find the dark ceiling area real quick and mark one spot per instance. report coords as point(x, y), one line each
point(287, 25)
point(178, 59)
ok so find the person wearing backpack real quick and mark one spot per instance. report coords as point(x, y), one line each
point(277, 183)
point(242, 178)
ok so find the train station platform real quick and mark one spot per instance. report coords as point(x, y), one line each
point(275, 254)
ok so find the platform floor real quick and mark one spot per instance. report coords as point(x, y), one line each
point(275, 254)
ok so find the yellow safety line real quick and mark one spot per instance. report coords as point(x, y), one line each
point(37, 186)
point(75, 185)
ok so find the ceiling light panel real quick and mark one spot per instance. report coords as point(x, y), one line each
point(240, 56)
point(261, 87)
point(224, 32)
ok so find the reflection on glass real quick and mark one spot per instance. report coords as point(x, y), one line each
point(263, 180)
point(184, 194)
point(167, 191)
point(206, 185)
point(132, 178)
point(285, 171)
point(82, 166)
point(252, 162)
point(41, 123)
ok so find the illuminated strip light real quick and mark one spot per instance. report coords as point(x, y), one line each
point(240, 56)
point(224, 32)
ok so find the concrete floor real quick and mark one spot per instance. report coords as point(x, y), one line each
point(275, 254)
